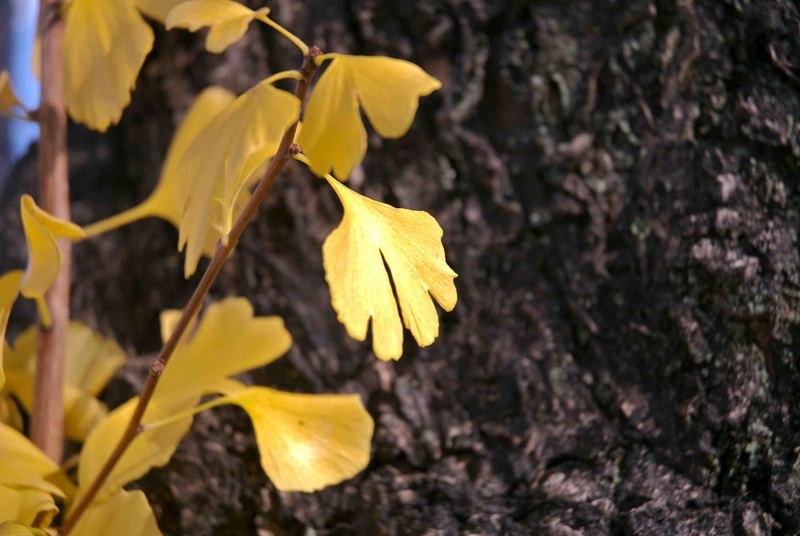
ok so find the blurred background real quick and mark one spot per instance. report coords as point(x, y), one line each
point(619, 189)
point(17, 32)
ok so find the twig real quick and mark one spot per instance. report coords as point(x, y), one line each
point(221, 254)
point(47, 426)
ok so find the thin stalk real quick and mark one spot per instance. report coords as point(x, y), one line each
point(221, 254)
point(47, 424)
point(118, 220)
point(219, 401)
point(284, 75)
point(325, 57)
point(296, 41)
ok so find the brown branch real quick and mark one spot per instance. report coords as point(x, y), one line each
point(47, 426)
point(221, 254)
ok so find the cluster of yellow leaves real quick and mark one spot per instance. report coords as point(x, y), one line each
point(224, 143)
point(333, 137)
point(26, 482)
point(217, 152)
point(374, 236)
point(44, 262)
point(90, 362)
point(384, 265)
point(101, 66)
point(306, 442)
point(30, 483)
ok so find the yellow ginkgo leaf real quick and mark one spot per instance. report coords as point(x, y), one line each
point(307, 442)
point(124, 514)
point(223, 160)
point(410, 243)
point(228, 20)
point(44, 257)
point(211, 354)
point(90, 362)
point(152, 448)
point(105, 44)
point(157, 9)
point(9, 412)
point(164, 201)
point(8, 99)
point(200, 365)
point(12, 528)
point(22, 465)
point(388, 89)
point(28, 507)
point(9, 289)
point(168, 321)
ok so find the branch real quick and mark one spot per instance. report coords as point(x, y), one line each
point(285, 150)
point(47, 426)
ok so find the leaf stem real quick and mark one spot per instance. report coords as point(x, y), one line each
point(284, 75)
point(219, 401)
point(117, 220)
point(296, 41)
point(324, 57)
point(221, 254)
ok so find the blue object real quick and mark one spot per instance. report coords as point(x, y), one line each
point(22, 32)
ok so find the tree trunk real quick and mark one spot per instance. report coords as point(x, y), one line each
point(618, 183)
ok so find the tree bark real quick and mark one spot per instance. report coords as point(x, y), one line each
point(618, 187)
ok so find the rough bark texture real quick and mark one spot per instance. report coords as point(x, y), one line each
point(618, 183)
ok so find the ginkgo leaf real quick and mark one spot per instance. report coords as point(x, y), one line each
point(9, 289)
point(199, 365)
point(8, 99)
point(307, 442)
point(12, 528)
point(22, 465)
point(388, 89)
point(168, 320)
point(410, 243)
point(222, 161)
point(28, 507)
point(105, 44)
point(9, 412)
point(90, 362)
point(157, 9)
point(44, 257)
point(228, 20)
point(211, 353)
point(164, 201)
point(152, 448)
point(124, 514)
